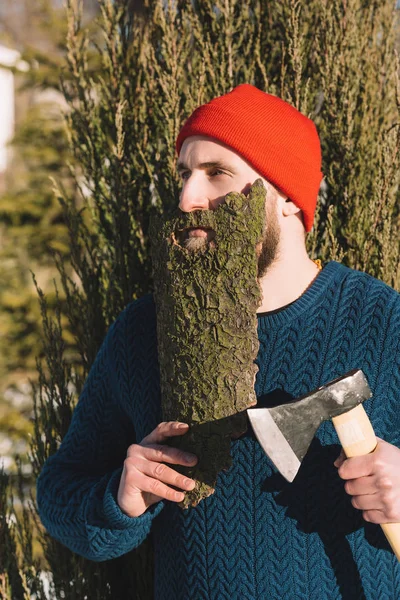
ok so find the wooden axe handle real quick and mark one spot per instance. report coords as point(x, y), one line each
point(357, 437)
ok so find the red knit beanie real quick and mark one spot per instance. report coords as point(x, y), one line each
point(275, 138)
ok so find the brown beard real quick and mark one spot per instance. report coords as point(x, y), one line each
point(270, 242)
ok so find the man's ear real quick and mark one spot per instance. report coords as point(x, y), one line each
point(289, 208)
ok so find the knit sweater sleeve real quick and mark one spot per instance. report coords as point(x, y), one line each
point(77, 488)
point(387, 358)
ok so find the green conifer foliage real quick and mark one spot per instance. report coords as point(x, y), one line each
point(10, 580)
point(335, 61)
point(32, 227)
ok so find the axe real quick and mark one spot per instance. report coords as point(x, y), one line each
point(285, 432)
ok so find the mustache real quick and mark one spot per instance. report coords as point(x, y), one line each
point(210, 220)
point(179, 224)
point(198, 219)
point(204, 219)
point(233, 217)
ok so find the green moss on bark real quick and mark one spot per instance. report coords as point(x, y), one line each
point(207, 327)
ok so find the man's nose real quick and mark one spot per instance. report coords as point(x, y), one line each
point(193, 197)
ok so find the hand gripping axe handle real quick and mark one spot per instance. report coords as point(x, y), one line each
point(285, 432)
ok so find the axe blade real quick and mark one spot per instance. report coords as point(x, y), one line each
point(274, 443)
point(285, 432)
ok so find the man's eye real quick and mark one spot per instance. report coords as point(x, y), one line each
point(184, 175)
point(216, 172)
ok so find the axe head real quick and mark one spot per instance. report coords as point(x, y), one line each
point(285, 432)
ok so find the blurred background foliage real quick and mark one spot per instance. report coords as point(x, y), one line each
point(32, 226)
point(129, 79)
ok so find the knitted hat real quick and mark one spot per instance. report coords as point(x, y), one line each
point(275, 138)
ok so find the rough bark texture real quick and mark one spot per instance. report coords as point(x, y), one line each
point(207, 328)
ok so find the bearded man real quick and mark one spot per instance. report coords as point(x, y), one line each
point(257, 537)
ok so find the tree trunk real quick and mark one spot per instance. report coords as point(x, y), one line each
point(206, 301)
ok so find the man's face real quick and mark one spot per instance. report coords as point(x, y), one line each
point(209, 170)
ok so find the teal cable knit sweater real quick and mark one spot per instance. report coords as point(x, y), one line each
point(258, 537)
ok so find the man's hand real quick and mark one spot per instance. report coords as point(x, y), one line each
point(145, 476)
point(373, 481)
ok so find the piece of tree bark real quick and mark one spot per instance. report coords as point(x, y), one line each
point(206, 304)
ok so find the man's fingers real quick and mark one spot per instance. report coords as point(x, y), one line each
point(166, 475)
point(361, 486)
point(340, 459)
point(156, 488)
point(165, 430)
point(357, 466)
point(146, 478)
point(367, 502)
point(159, 453)
point(375, 516)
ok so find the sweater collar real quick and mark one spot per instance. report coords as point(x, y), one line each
point(332, 272)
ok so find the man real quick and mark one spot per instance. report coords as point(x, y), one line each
point(258, 537)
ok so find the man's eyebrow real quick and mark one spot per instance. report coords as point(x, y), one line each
point(217, 164)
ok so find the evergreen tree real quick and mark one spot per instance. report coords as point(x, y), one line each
point(332, 60)
point(31, 222)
